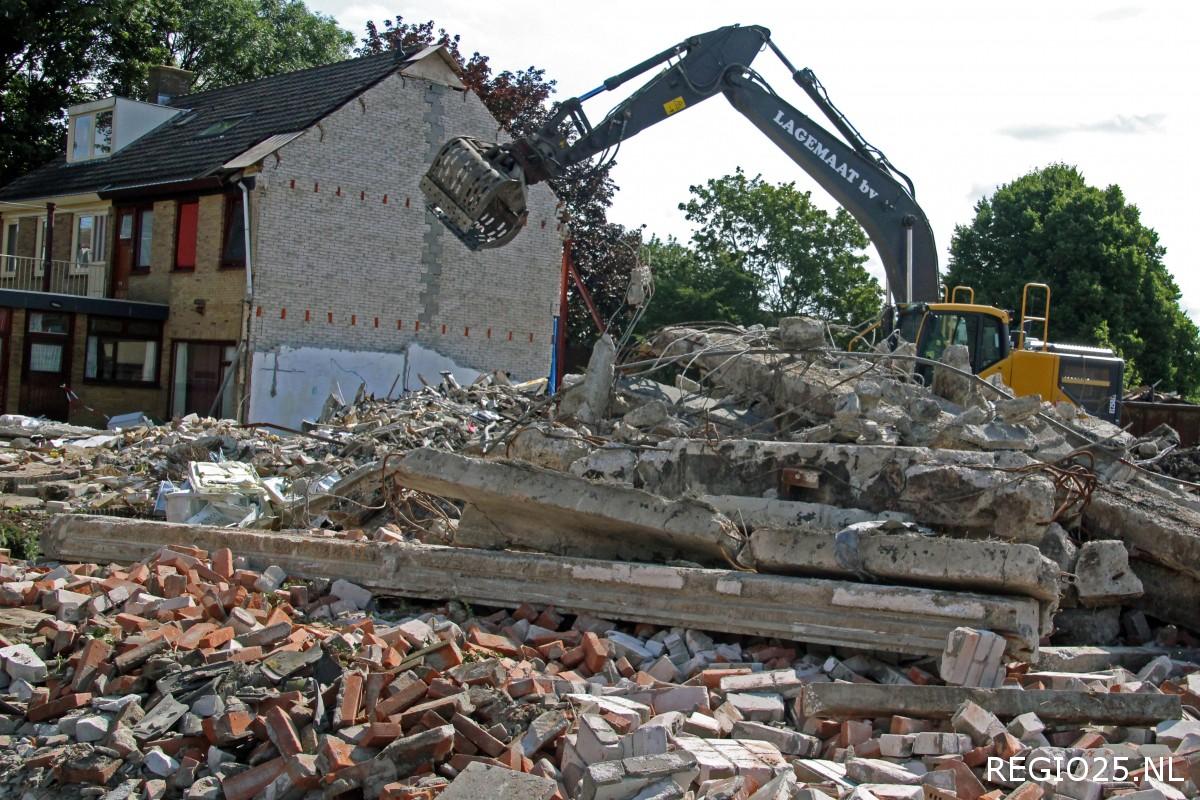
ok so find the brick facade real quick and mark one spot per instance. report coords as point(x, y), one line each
point(344, 257)
point(342, 230)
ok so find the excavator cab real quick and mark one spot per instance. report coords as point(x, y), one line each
point(1089, 377)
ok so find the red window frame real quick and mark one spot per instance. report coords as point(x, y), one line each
point(187, 229)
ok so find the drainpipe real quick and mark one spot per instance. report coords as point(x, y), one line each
point(243, 365)
point(49, 247)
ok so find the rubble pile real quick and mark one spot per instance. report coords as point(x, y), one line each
point(731, 563)
point(133, 470)
point(187, 674)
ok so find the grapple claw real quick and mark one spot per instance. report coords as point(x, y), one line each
point(477, 192)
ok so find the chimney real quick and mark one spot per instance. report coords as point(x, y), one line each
point(167, 83)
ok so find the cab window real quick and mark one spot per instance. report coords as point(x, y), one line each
point(991, 346)
point(944, 329)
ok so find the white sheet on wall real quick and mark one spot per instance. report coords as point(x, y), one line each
point(291, 384)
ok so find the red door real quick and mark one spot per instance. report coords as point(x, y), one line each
point(47, 365)
point(123, 252)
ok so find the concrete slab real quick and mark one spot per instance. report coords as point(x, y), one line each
point(838, 613)
point(520, 506)
point(849, 700)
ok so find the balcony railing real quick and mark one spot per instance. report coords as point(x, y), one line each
point(84, 279)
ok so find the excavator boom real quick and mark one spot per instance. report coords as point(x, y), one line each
point(478, 189)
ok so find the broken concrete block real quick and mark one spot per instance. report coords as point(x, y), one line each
point(624, 779)
point(787, 741)
point(757, 707)
point(589, 400)
point(952, 384)
point(22, 663)
point(481, 780)
point(1056, 545)
point(271, 579)
point(352, 593)
point(647, 415)
point(1103, 576)
point(803, 333)
point(874, 770)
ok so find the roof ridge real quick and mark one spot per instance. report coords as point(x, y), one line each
point(396, 55)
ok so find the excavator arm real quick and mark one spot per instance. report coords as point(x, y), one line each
point(478, 188)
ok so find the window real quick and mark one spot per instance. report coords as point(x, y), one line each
point(123, 351)
point(44, 322)
point(221, 126)
point(233, 248)
point(81, 145)
point(10, 246)
point(90, 240)
point(91, 135)
point(144, 239)
point(991, 343)
point(186, 219)
point(102, 140)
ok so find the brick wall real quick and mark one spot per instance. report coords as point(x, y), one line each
point(222, 292)
point(342, 230)
point(27, 237)
point(15, 356)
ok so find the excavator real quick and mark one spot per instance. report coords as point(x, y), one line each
point(478, 190)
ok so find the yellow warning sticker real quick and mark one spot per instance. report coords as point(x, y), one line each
point(674, 106)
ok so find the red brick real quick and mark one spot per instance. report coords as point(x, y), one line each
point(490, 641)
point(56, 708)
point(94, 655)
point(477, 736)
point(282, 732)
point(595, 652)
point(222, 562)
point(350, 700)
point(229, 727)
point(404, 693)
point(251, 783)
point(334, 754)
point(377, 734)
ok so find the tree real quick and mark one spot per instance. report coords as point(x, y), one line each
point(688, 288)
point(221, 41)
point(47, 50)
point(56, 53)
point(603, 252)
point(1109, 284)
point(805, 260)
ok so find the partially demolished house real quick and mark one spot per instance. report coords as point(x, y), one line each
point(245, 251)
point(725, 563)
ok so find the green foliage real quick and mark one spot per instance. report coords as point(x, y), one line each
point(688, 288)
point(47, 49)
point(1105, 269)
point(56, 53)
point(222, 41)
point(799, 258)
point(22, 542)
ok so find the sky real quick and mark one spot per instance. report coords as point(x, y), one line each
point(961, 96)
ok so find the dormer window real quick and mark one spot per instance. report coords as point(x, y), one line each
point(100, 128)
point(91, 135)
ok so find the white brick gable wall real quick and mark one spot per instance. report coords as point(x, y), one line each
point(342, 230)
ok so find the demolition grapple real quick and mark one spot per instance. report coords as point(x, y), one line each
point(477, 191)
